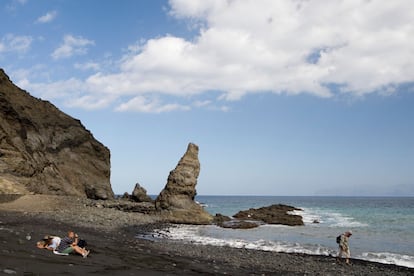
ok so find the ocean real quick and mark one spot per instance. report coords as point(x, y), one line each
point(383, 227)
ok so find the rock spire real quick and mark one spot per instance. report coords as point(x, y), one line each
point(176, 200)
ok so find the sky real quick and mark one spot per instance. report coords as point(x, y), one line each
point(289, 97)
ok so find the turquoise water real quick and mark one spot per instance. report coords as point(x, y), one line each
point(383, 227)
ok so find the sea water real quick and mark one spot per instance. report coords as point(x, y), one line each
point(383, 227)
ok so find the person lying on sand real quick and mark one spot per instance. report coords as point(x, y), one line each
point(69, 245)
point(49, 243)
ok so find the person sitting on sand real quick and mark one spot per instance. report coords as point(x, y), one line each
point(49, 243)
point(344, 246)
point(69, 245)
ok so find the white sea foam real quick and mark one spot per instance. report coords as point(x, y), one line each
point(333, 219)
point(191, 234)
point(389, 258)
point(308, 216)
point(204, 205)
point(197, 235)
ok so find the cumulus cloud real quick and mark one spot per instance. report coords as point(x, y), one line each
point(90, 101)
point(72, 46)
point(287, 47)
point(15, 43)
point(48, 17)
point(263, 46)
point(146, 105)
point(54, 90)
point(71, 92)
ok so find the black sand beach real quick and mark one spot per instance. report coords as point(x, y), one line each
point(115, 250)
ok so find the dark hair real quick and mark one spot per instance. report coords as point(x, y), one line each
point(48, 240)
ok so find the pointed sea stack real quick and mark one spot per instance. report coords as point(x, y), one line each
point(176, 201)
point(139, 194)
point(45, 151)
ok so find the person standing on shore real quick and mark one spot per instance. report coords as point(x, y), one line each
point(344, 246)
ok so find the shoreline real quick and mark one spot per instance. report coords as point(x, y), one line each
point(163, 234)
point(111, 237)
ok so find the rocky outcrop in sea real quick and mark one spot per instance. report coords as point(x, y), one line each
point(45, 151)
point(274, 214)
point(176, 200)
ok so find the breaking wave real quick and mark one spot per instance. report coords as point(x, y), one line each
point(333, 219)
point(197, 235)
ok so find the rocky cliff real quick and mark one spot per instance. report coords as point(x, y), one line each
point(45, 151)
point(176, 200)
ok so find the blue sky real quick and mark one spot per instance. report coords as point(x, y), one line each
point(283, 97)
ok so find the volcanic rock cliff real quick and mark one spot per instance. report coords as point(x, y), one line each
point(45, 151)
point(176, 200)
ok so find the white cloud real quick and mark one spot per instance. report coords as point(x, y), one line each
point(287, 47)
point(48, 17)
point(202, 103)
point(145, 105)
point(72, 92)
point(87, 66)
point(262, 46)
point(15, 43)
point(65, 89)
point(72, 46)
point(90, 101)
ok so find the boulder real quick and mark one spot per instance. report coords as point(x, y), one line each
point(228, 222)
point(220, 219)
point(176, 200)
point(274, 214)
point(139, 194)
point(45, 151)
point(240, 224)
